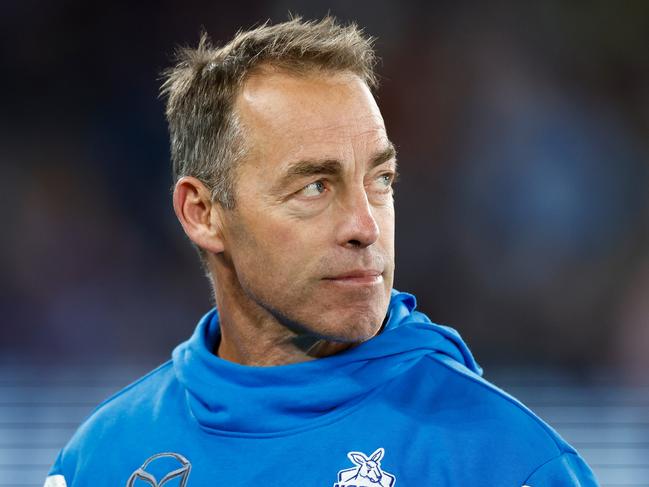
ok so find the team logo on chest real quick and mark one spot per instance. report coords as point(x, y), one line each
point(366, 473)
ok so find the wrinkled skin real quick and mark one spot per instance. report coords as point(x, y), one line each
point(304, 263)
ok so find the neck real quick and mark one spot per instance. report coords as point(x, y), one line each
point(265, 353)
point(251, 335)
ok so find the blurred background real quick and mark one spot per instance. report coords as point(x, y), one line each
point(522, 209)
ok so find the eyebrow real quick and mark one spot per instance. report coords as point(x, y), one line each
point(390, 152)
point(329, 167)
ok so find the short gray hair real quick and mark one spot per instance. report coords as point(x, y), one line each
point(206, 138)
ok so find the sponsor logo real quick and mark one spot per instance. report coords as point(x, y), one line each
point(168, 466)
point(366, 473)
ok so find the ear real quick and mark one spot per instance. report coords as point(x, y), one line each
point(377, 455)
point(357, 457)
point(198, 214)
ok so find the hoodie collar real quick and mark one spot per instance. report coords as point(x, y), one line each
point(234, 399)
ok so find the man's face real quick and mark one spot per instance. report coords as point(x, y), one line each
point(311, 239)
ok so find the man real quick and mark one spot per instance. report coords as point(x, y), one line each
point(313, 371)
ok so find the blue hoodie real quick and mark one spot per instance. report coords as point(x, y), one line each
point(408, 408)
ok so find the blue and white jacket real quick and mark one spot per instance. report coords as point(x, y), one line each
point(407, 408)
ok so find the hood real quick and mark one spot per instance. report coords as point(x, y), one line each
point(234, 399)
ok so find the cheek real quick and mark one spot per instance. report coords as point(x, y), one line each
point(284, 244)
point(385, 220)
point(270, 249)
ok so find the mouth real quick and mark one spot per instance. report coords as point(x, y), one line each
point(359, 277)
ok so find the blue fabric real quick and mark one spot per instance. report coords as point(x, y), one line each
point(408, 407)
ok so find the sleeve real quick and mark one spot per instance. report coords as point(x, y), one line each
point(566, 470)
point(55, 477)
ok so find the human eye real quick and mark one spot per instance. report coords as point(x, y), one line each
point(313, 189)
point(386, 180)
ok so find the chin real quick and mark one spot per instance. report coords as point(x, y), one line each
point(351, 327)
point(356, 320)
point(339, 315)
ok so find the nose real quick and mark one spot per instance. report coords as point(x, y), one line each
point(357, 226)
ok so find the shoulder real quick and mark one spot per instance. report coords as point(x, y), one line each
point(501, 414)
point(137, 397)
point(127, 413)
point(486, 428)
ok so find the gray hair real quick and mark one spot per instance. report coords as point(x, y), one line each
point(206, 138)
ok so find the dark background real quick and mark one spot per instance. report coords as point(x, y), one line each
point(522, 210)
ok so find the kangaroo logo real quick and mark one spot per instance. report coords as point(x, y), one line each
point(366, 473)
point(176, 466)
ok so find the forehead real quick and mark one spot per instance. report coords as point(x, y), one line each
point(287, 113)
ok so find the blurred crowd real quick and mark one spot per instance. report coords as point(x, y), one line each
point(522, 212)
